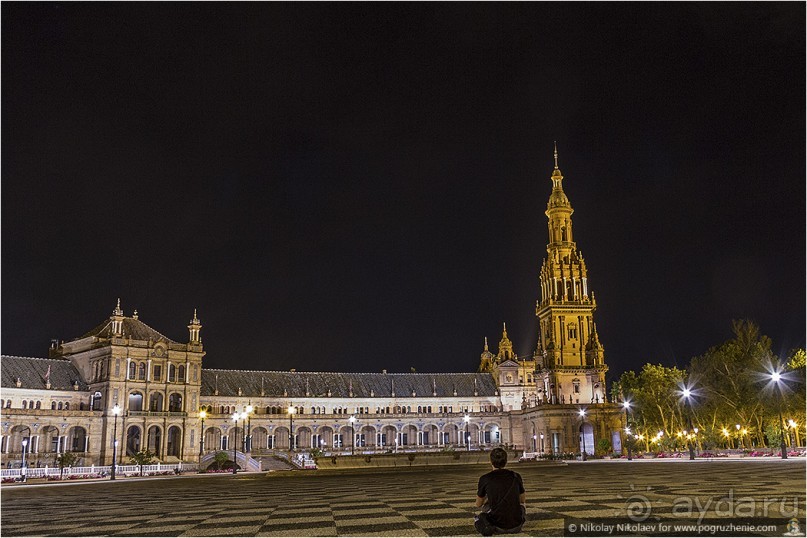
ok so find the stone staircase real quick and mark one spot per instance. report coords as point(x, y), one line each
point(274, 463)
point(245, 462)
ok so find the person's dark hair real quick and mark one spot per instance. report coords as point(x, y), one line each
point(498, 457)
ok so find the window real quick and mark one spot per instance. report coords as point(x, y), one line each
point(195, 372)
point(25, 405)
point(141, 372)
point(181, 374)
point(95, 403)
point(158, 372)
point(572, 331)
point(58, 406)
point(132, 370)
point(172, 373)
point(39, 405)
point(66, 406)
point(576, 386)
point(53, 405)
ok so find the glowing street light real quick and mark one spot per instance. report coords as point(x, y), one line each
point(352, 421)
point(626, 407)
point(776, 377)
point(22, 466)
point(115, 412)
point(203, 416)
point(582, 414)
point(686, 392)
point(235, 441)
point(467, 420)
point(248, 434)
point(291, 428)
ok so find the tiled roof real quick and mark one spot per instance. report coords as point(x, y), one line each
point(32, 371)
point(133, 328)
point(294, 384)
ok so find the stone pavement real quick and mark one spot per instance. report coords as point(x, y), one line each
point(428, 502)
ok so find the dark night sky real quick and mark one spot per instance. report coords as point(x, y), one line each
point(353, 187)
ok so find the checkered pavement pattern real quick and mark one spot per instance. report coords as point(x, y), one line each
point(428, 502)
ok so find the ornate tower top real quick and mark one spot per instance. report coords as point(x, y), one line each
point(505, 345)
point(194, 328)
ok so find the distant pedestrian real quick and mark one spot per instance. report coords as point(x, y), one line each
point(501, 496)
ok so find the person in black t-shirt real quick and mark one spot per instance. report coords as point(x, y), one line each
point(501, 496)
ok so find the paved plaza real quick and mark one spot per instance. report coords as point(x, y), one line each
point(429, 502)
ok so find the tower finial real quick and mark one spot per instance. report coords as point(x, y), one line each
point(486, 343)
point(504, 329)
point(556, 154)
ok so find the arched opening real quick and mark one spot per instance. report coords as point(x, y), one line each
point(155, 440)
point(304, 437)
point(260, 439)
point(173, 441)
point(132, 440)
point(135, 401)
point(387, 436)
point(587, 438)
point(212, 439)
point(365, 436)
point(172, 373)
point(18, 435)
point(181, 374)
point(282, 437)
point(50, 439)
point(156, 401)
point(235, 438)
point(76, 439)
point(132, 370)
point(141, 371)
point(175, 402)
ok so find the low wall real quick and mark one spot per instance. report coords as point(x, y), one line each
point(404, 460)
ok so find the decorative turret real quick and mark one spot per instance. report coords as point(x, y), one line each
point(194, 329)
point(487, 360)
point(117, 320)
point(505, 346)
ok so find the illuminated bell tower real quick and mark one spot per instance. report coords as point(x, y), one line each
point(569, 356)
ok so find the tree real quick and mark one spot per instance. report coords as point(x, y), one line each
point(654, 398)
point(603, 447)
point(144, 457)
point(65, 459)
point(220, 459)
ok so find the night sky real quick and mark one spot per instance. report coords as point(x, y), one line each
point(351, 187)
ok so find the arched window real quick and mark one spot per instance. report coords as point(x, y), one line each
point(95, 402)
point(66, 406)
point(141, 371)
point(39, 405)
point(156, 401)
point(172, 373)
point(53, 405)
point(135, 401)
point(25, 405)
point(8, 404)
point(175, 402)
point(181, 374)
point(132, 370)
point(59, 406)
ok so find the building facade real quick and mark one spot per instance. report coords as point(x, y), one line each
point(124, 380)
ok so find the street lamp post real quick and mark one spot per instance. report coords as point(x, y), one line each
point(202, 415)
point(583, 433)
point(739, 437)
point(291, 428)
point(777, 379)
point(235, 441)
point(352, 420)
point(534, 443)
point(22, 465)
point(626, 406)
point(115, 412)
point(467, 421)
point(542, 443)
point(687, 397)
point(249, 411)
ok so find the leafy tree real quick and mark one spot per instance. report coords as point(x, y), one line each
point(603, 447)
point(65, 459)
point(144, 457)
point(220, 459)
point(654, 398)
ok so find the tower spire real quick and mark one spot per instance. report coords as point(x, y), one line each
point(556, 154)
